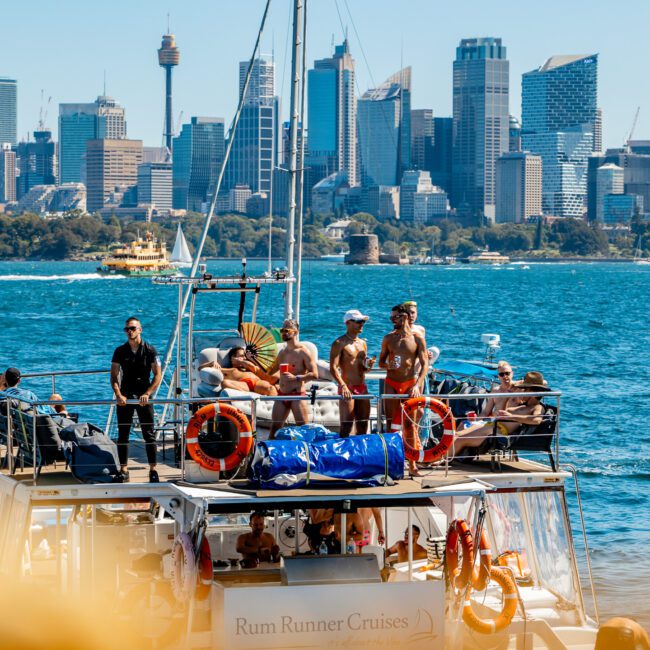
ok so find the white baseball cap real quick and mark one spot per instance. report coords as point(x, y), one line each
point(354, 314)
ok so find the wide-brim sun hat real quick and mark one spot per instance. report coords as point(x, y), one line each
point(534, 380)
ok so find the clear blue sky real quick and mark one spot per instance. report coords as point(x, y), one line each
point(64, 47)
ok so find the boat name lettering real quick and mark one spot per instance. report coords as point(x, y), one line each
point(355, 622)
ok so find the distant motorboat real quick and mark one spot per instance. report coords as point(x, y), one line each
point(487, 257)
point(181, 256)
point(334, 257)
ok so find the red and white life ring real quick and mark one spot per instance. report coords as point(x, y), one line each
point(205, 573)
point(459, 532)
point(448, 423)
point(209, 412)
point(183, 574)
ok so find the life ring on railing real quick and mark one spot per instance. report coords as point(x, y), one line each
point(459, 532)
point(448, 423)
point(510, 599)
point(205, 573)
point(244, 445)
point(183, 572)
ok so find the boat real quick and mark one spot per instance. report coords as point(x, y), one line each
point(140, 258)
point(638, 259)
point(333, 257)
point(487, 257)
point(181, 256)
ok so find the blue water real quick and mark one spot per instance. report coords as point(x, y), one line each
point(583, 325)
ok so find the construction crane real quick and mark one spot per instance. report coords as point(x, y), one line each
point(177, 130)
point(42, 114)
point(626, 146)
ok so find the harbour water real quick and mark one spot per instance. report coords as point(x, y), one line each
point(583, 325)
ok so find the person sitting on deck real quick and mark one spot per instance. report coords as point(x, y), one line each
point(258, 545)
point(529, 411)
point(493, 405)
point(243, 374)
point(297, 366)
point(401, 548)
point(11, 379)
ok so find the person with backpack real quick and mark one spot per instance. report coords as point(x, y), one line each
point(135, 374)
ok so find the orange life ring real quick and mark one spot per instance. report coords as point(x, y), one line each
point(459, 532)
point(481, 577)
point(510, 599)
point(448, 423)
point(244, 445)
point(205, 573)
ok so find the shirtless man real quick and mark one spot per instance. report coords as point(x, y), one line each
point(357, 525)
point(492, 405)
point(402, 547)
point(349, 363)
point(258, 545)
point(401, 350)
point(528, 411)
point(243, 374)
point(301, 369)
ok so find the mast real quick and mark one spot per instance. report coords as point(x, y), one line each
point(293, 148)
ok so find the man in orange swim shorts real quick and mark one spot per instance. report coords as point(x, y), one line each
point(349, 363)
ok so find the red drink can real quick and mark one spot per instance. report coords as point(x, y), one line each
point(471, 415)
point(284, 367)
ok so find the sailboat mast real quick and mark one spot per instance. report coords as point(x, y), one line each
point(293, 151)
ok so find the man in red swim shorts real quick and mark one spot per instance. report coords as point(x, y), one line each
point(349, 363)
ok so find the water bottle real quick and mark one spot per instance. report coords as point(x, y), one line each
point(397, 361)
point(322, 549)
point(351, 547)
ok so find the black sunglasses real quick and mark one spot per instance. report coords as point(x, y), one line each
point(358, 321)
point(131, 328)
point(504, 374)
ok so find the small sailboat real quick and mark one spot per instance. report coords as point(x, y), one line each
point(181, 256)
point(638, 253)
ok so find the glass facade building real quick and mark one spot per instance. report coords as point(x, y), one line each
point(620, 208)
point(198, 156)
point(560, 123)
point(481, 121)
point(8, 110)
point(37, 162)
point(384, 130)
point(331, 107)
point(421, 138)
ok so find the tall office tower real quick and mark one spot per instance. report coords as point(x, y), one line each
point(7, 173)
point(519, 187)
point(37, 162)
point(102, 119)
point(559, 116)
point(8, 110)
point(384, 130)
point(481, 122)
point(198, 156)
point(514, 135)
point(609, 180)
point(111, 165)
point(254, 150)
point(332, 111)
point(440, 163)
point(421, 137)
point(598, 130)
point(155, 184)
point(168, 57)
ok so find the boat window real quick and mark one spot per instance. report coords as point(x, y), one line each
point(508, 524)
point(551, 543)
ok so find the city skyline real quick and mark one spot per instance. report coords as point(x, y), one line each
point(206, 82)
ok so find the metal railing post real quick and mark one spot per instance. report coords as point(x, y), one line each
point(10, 439)
point(35, 450)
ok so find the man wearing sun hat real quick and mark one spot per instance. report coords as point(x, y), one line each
point(349, 363)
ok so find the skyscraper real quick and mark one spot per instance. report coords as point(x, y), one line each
point(8, 110)
point(168, 57)
point(421, 138)
point(559, 122)
point(37, 162)
point(102, 119)
point(481, 121)
point(7, 173)
point(111, 165)
point(420, 200)
point(384, 130)
point(198, 156)
point(609, 180)
point(519, 187)
point(155, 184)
point(331, 107)
point(440, 165)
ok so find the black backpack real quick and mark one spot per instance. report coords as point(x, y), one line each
point(90, 453)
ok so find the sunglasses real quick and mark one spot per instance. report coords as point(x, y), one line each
point(505, 374)
point(132, 328)
point(359, 321)
point(284, 330)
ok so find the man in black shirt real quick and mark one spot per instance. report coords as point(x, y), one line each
point(137, 361)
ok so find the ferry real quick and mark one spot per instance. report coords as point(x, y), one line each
point(487, 257)
point(141, 258)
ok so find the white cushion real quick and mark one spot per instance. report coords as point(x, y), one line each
point(208, 355)
point(211, 376)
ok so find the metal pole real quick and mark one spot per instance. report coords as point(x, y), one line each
point(34, 447)
point(297, 537)
point(344, 532)
point(410, 544)
point(206, 226)
point(293, 148)
point(301, 172)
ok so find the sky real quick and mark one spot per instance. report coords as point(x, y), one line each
point(62, 49)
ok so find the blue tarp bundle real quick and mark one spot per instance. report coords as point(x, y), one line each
point(375, 459)
point(306, 433)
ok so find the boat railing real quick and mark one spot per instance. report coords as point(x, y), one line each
point(181, 407)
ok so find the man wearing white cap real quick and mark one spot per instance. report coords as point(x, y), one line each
point(349, 363)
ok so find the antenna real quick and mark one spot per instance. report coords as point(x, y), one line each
point(104, 82)
point(168, 27)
